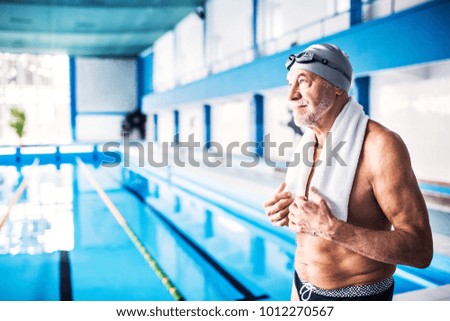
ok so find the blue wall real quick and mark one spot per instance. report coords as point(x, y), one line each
point(207, 124)
point(73, 97)
point(362, 85)
point(355, 12)
point(144, 77)
point(258, 120)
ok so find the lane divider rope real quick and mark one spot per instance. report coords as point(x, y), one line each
point(18, 193)
point(14, 201)
point(137, 243)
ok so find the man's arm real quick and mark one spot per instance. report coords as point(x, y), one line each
point(396, 191)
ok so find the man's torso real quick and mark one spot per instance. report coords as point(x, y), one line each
point(328, 265)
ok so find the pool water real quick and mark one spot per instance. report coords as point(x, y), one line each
point(62, 242)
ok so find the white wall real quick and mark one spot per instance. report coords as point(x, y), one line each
point(229, 35)
point(414, 103)
point(190, 58)
point(405, 4)
point(179, 55)
point(166, 126)
point(163, 63)
point(231, 122)
point(149, 127)
point(382, 8)
point(276, 117)
point(106, 87)
point(278, 21)
point(99, 128)
point(192, 122)
point(105, 84)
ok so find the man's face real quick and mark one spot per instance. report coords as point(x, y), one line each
point(311, 96)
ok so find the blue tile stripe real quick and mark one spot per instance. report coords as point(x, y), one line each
point(440, 189)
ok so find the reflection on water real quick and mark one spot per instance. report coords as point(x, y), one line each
point(42, 220)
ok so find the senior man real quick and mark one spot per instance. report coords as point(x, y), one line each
point(353, 198)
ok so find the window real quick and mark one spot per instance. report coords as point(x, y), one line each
point(39, 85)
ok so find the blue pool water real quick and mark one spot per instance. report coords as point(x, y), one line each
point(208, 251)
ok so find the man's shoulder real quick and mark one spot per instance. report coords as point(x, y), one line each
point(383, 145)
point(380, 137)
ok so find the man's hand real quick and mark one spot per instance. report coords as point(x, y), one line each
point(310, 216)
point(277, 206)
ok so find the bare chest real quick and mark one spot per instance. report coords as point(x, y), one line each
point(363, 207)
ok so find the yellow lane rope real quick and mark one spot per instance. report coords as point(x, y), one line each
point(137, 243)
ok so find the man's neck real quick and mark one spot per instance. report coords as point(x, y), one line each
point(323, 127)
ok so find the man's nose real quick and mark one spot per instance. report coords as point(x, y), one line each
point(294, 93)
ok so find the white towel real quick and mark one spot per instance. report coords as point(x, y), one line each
point(333, 180)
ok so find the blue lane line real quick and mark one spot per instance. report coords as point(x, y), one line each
point(65, 278)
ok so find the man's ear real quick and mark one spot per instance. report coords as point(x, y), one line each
point(339, 91)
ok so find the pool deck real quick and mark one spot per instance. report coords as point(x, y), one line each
point(257, 183)
point(441, 293)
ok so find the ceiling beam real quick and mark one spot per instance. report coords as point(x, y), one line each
point(97, 51)
point(94, 32)
point(178, 4)
point(69, 38)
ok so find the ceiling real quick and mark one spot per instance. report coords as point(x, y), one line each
point(101, 28)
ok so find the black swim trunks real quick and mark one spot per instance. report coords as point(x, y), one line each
point(381, 291)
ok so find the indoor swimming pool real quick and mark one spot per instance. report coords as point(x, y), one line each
point(61, 241)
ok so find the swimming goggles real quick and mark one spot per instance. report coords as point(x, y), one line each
point(308, 56)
